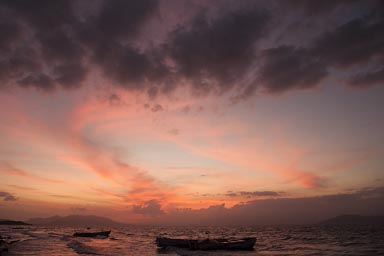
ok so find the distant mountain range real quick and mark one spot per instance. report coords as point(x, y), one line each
point(97, 221)
point(75, 220)
point(12, 222)
point(349, 219)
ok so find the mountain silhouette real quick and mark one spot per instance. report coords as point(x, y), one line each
point(13, 222)
point(350, 219)
point(75, 220)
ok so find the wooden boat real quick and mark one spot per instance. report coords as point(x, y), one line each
point(179, 243)
point(4, 245)
point(92, 234)
point(246, 243)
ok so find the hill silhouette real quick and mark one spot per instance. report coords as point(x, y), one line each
point(350, 219)
point(75, 220)
point(13, 222)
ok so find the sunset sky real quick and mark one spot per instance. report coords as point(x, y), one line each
point(191, 111)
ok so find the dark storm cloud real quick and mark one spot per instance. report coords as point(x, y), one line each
point(368, 79)
point(354, 42)
point(70, 75)
point(288, 67)
point(217, 53)
point(7, 196)
point(41, 81)
point(315, 7)
point(10, 30)
point(151, 208)
point(221, 50)
point(44, 15)
point(16, 63)
point(42, 42)
point(57, 44)
point(62, 41)
point(110, 37)
point(120, 19)
point(124, 64)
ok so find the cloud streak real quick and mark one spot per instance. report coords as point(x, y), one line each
point(249, 194)
point(9, 169)
point(134, 183)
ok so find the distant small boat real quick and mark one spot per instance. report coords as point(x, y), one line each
point(92, 234)
point(246, 243)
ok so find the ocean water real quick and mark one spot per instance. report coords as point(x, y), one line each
point(271, 240)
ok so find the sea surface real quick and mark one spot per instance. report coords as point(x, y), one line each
point(135, 240)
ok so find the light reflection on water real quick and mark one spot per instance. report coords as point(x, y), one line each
point(271, 240)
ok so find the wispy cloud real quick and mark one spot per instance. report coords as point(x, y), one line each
point(250, 194)
point(23, 187)
point(79, 209)
point(9, 169)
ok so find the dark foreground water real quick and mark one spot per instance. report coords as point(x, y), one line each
point(271, 240)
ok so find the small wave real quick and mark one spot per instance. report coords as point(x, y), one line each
point(54, 234)
point(81, 248)
point(185, 252)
